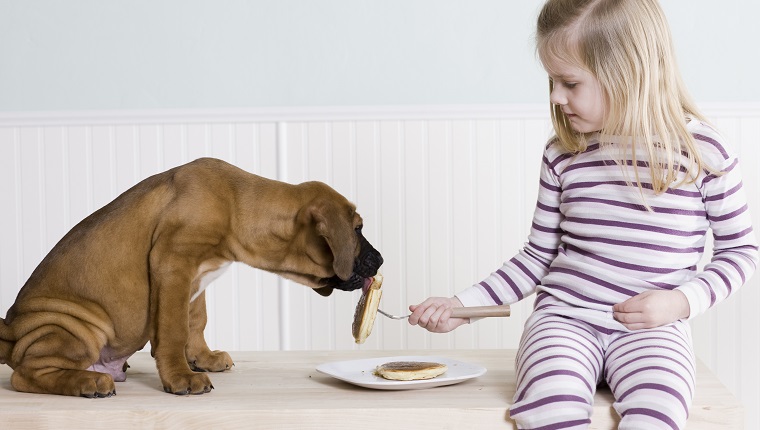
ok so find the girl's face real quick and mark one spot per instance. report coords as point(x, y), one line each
point(579, 95)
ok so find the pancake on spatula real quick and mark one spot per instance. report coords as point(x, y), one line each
point(366, 309)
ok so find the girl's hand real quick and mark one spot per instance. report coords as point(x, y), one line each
point(652, 309)
point(434, 314)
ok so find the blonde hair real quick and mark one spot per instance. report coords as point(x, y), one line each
point(626, 45)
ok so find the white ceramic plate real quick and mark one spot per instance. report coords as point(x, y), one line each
point(362, 372)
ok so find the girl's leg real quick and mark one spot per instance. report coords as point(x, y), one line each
point(651, 374)
point(559, 363)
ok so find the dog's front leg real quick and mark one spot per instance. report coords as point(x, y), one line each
point(171, 292)
point(199, 356)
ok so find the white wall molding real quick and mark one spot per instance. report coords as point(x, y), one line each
point(271, 114)
point(314, 114)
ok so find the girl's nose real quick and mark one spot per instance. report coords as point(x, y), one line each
point(558, 96)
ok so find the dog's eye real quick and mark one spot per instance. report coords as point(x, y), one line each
point(358, 228)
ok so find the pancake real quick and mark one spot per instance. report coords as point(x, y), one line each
point(410, 370)
point(366, 309)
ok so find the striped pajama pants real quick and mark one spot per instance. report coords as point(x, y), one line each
point(560, 362)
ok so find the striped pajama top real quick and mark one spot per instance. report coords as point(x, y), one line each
point(593, 243)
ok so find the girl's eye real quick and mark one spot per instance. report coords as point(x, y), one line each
point(569, 85)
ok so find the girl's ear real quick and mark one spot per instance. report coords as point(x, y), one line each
point(335, 224)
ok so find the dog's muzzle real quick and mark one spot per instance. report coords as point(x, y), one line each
point(366, 266)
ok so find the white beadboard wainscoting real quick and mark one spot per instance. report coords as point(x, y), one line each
point(447, 195)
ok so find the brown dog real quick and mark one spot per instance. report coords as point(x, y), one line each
point(135, 271)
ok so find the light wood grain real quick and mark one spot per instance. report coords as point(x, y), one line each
point(282, 390)
point(481, 311)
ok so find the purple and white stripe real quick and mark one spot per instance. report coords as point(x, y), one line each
point(594, 243)
point(561, 361)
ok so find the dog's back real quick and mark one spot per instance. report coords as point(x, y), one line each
point(104, 252)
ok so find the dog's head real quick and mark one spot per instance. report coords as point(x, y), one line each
point(333, 252)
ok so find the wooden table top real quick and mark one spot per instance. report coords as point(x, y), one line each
point(284, 390)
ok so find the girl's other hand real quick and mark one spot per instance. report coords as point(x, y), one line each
point(434, 314)
point(652, 309)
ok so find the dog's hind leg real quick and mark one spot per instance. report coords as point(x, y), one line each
point(7, 340)
point(67, 382)
point(199, 356)
point(53, 361)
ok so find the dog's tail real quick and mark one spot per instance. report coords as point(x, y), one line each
point(6, 342)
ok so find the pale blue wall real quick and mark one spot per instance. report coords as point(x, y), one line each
point(151, 54)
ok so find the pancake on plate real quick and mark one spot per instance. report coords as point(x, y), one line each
point(410, 370)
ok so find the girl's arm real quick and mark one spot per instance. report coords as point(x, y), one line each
point(518, 277)
point(734, 259)
point(735, 250)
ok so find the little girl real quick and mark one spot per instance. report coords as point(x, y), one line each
point(630, 185)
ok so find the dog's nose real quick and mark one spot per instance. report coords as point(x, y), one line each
point(368, 263)
point(366, 266)
point(369, 260)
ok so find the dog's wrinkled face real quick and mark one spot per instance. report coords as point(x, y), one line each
point(366, 265)
point(333, 252)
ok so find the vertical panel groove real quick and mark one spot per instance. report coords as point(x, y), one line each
point(401, 128)
point(471, 143)
point(498, 216)
point(41, 192)
point(283, 293)
point(19, 207)
point(450, 215)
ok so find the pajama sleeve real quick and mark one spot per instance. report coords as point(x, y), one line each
point(518, 277)
point(735, 250)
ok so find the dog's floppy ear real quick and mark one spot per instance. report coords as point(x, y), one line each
point(334, 223)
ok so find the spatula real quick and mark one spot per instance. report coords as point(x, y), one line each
point(465, 312)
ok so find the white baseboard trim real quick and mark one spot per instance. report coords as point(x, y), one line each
point(313, 114)
point(271, 114)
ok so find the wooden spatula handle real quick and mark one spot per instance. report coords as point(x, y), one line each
point(481, 311)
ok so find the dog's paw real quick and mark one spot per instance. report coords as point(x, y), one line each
point(99, 395)
point(97, 385)
point(67, 382)
point(212, 361)
point(188, 383)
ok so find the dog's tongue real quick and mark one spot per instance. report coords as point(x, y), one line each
point(367, 283)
